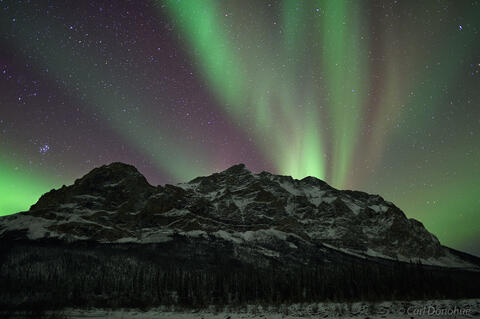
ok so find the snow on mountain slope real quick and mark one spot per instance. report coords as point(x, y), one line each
point(116, 204)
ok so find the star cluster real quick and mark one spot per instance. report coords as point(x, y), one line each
point(379, 96)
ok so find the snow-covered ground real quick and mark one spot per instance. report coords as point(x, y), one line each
point(399, 309)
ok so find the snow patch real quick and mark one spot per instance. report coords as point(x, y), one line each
point(228, 236)
point(314, 195)
point(156, 237)
point(241, 203)
point(36, 227)
point(379, 208)
point(263, 235)
point(353, 207)
point(90, 197)
point(114, 184)
point(289, 187)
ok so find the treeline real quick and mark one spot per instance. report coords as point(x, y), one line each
point(55, 277)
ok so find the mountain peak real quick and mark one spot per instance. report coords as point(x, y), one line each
point(236, 169)
point(110, 173)
point(115, 184)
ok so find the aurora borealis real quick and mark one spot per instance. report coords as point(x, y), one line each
point(379, 96)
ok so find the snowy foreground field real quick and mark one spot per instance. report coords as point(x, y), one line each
point(409, 309)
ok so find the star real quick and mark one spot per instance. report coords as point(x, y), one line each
point(44, 149)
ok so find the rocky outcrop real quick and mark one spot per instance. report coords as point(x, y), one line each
point(117, 186)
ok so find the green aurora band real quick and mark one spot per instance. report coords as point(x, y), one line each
point(20, 188)
point(328, 77)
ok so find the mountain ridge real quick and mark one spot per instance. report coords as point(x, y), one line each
point(115, 204)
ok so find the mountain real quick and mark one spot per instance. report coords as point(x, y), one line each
point(116, 204)
point(234, 226)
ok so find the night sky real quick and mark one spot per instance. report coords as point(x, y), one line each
point(379, 96)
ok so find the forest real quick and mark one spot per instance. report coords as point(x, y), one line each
point(34, 276)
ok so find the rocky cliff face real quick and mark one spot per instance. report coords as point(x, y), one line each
point(268, 213)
